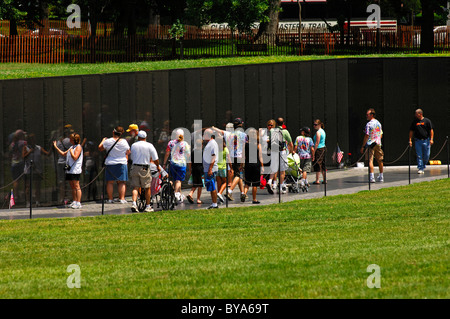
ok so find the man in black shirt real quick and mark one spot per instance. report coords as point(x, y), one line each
point(422, 130)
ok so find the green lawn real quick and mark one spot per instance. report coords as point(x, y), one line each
point(317, 248)
point(24, 70)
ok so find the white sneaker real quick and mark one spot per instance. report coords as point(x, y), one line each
point(420, 171)
point(76, 206)
point(220, 196)
point(134, 208)
point(123, 201)
point(380, 179)
point(148, 209)
point(283, 189)
point(109, 201)
point(372, 180)
point(72, 204)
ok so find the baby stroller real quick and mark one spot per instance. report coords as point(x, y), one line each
point(161, 189)
point(294, 174)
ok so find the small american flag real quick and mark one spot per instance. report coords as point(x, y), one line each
point(11, 200)
point(338, 155)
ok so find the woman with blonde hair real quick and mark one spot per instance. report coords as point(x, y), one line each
point(179, 151)
point(74, 162)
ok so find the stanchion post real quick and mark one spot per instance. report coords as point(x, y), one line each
point(226, 182)
point(31, 189)
point(448, 158)
point(409, 165)
point(104, 191)
point(325, 181)
point(368, 170)
point(279, 175)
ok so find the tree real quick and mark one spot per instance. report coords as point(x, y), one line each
point(271, 25)
point(429, 7)
point(240, 15)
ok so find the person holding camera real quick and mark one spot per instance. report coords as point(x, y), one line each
point(372, 140)
point(73, 167)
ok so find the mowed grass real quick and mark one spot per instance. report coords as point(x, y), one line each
point(318, 248)
point(26, 70)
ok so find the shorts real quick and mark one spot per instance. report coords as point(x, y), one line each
point(17, 170)
point(61, 172)
point(118, 172)
point(222, 173)
point(197, 173)
point(177, 172)
point(73, 177)
point(319, 159)
point(140, 177)
point(306, 164)
point(274, 159)
point(235, 167)
point(210, 181)
point(376, 152)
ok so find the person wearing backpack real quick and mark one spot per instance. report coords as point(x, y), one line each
point(281, 147)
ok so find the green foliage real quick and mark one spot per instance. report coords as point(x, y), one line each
point(177, 30)
point(238, 14)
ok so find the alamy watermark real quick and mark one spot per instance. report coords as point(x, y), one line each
point(374, 20)
point(374, 280)
point(74, 280)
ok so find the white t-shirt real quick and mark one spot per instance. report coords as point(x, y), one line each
point(210, 150)
point(142, 152)
point(75, 166)
point(118, 153)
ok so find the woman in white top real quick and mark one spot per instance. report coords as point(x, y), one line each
point(116, 164)
point(74, 162)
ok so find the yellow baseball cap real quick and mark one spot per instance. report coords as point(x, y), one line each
point(133, 127)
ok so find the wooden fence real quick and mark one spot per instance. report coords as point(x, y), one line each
point(155, 43)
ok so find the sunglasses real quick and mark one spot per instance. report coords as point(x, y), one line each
point(315, 124)
point(269, 125)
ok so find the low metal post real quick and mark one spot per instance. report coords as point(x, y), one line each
point(226, 183)
point(448, 158)
point(104, 191)
point(409, 165)
point(31, 189)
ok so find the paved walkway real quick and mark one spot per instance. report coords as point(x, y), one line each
point(346, 181)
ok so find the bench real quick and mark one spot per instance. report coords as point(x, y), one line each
point(252, 47)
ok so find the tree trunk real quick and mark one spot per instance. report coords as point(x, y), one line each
point(271, 27)
point(427, 34)
point(13, 27)
point(299, 26)
point(43, 16)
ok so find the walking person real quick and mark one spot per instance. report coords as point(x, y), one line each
point(235, 142)
point(116, 164)
point(142, 154)
point(74, 163)
point(196, 170)
point(253, 165)
point(223, 166)
point(210, 159)
point(179, 152)
point(304, 147)
point(373, 133)
point(320, 151)
point(422, 131)
point(281, 147)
